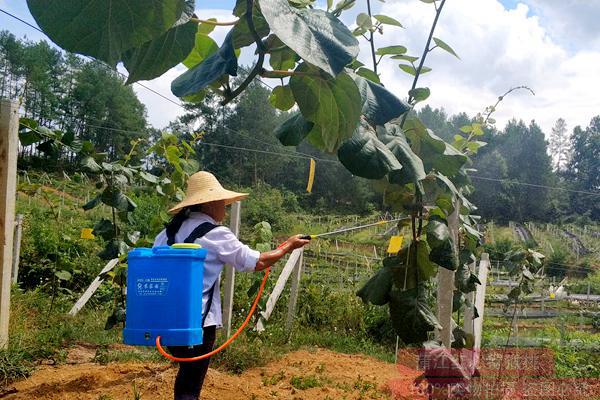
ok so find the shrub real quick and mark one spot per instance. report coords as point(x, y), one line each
point(269, 204)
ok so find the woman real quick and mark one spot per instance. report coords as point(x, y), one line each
point(196, 220)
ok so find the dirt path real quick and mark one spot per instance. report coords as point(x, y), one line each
point(314, 374)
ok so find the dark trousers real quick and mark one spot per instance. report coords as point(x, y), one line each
point(190, 376)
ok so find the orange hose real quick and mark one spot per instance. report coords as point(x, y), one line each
point(162, 351)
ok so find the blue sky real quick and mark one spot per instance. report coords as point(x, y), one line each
point(552, 46)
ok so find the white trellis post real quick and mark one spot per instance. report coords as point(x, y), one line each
point(17, 248)
point(296, 275)
point(445, 283)
point(468, 323)
point(9, 148)
point(291, 263)
point(475, 326)
point(234, 225)
point(89, 292)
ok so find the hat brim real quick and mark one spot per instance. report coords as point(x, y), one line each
point(228, 196)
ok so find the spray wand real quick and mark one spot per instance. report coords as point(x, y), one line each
point(339, 231)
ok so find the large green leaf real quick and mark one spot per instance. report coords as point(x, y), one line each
point(317, 36)
point(157, 56)
point(204, 46)
point(435, 153)
point(242, 36)
point(28, 132)
point(376, 290)
point(212, 68)
point(441, 242)
point(332, 104)
point(412, 318)
point(281, 57)
point(365, 155)
point(412, 166)
point(293, 130)
point(465, 280)
point(113, 249)
point(104, 29)
point(113, 197)
point(458, 300)
point(282, 98)
point(91, 164)
point(105, 229)
point(427, 269)
point(368, 74)
point(92, 203)
point(63, 275)
point(379, 105)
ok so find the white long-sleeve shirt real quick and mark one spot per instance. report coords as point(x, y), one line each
point(223, 248)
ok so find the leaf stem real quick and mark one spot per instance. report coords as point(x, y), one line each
point(215, 23)
point(282, 73)
point(438, 12)
point(258, 67)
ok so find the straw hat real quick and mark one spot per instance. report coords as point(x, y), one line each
point(203, 187)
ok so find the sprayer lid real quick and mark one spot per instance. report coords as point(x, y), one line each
point(186, 246)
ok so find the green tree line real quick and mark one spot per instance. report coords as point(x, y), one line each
point(523, 174)
point(64, 92)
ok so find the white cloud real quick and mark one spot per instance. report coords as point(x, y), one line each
point(499, 49)
point(573, 23)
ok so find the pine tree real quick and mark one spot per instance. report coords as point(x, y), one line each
point(560, 146)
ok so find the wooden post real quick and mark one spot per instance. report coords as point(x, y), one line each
point(296, 275)
point(234, 225)
point(17, 248)
point(445, 289)
point(9, 148)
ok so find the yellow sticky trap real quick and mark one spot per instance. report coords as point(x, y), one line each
point(395, 244)
point(86, 233)
point(552, 295)
point(311, 176)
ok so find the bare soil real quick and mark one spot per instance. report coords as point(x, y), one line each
point(305, 374)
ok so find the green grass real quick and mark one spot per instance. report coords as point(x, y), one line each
point(307, 382)
point(38, 333)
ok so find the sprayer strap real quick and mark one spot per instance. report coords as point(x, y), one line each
point(197, 233)
point(200, 231)
point(211, 292)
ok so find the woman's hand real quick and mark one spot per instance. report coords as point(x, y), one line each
point(296, 241)
point(268, 258)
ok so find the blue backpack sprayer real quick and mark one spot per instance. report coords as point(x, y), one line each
point(164, 294)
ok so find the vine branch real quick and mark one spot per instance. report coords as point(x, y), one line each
point(500, 98)
point(426, 50)
point(258, 67)
point(372, 39)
